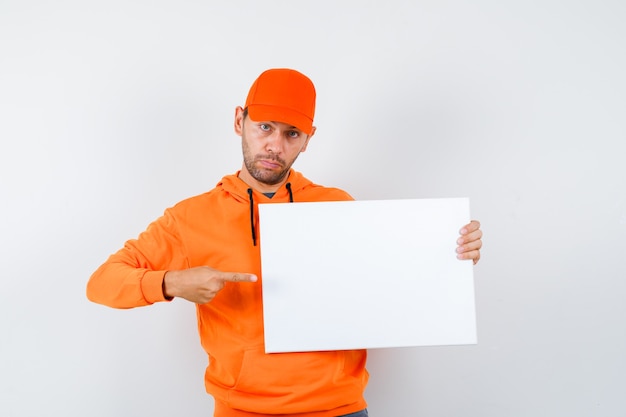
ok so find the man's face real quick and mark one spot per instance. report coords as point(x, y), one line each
point(269, 150)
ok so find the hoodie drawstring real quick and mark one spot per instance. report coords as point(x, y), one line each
point(288, 186)
point(252, 216)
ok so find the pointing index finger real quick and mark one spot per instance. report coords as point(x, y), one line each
point(239, 277)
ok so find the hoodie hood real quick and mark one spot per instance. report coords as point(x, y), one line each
point(233, 185)
point(297, 188)
point(242, 192)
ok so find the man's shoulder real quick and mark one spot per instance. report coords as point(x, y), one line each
point(316, 192)
point(307, 190)
point(196, 200)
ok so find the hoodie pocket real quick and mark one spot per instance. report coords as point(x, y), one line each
point(279, 374)
point(292, 383)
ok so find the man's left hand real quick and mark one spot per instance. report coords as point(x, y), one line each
point(470, 242)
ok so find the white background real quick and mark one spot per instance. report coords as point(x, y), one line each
point(111, 111)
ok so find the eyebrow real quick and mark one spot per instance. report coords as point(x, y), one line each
point(276, 122)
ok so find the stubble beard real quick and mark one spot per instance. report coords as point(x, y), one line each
point(264, 176)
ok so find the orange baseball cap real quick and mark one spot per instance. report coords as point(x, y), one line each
point(283, 95)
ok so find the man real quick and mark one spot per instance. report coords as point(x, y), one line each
point(206, 250)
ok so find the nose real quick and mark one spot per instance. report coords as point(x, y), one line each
point(273, 142)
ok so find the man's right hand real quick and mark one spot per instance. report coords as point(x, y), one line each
point(201, 284)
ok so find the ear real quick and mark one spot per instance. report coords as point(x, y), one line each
point(306, 143)
point(238, 120)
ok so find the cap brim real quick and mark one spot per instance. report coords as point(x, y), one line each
point(262, 112)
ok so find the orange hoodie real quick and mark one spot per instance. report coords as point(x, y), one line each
point(216, 229)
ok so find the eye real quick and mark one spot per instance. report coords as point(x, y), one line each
point(265, 127)
point(293, 134)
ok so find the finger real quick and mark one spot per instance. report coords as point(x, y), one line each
point(470, 246)
point(470, 237)
point(239, 277)
point(470, 227)
point(473, 255)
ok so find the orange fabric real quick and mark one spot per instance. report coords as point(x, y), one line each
point(222, 410)
point(283, 95)
point(214, 229)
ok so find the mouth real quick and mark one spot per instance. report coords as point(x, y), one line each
point(269, 163)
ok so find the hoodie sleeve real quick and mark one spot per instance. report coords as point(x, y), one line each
point(133, 276)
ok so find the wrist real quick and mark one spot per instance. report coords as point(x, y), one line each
point(167, 286)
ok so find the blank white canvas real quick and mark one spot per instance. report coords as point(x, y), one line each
point(365, 274)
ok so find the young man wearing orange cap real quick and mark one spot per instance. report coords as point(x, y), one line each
point(205, 249)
